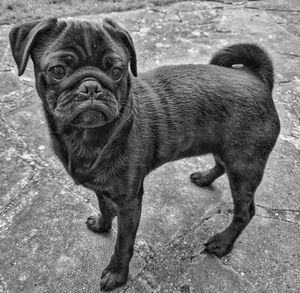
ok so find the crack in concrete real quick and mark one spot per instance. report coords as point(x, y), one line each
point(278, 210)
point(242, 277)
point(34, 156)
point(221, 1)
point(5, 70)
point(36, 162)
point(150, 252)
point(158, 10)
point(9, 212)
point(191, 230)
point(278, 219)
point(160, 250)
point(204, 219)
point(13, 132)
point(286, 81)
point(274, 9)
point(28, 181)
point(290, 55)
point(192, 257)
point(138, 275)
point(232, 3)
point(285, 215)
point(33, 160)
point(136, 278)
point(146, 259)
point(13, 93)
point(4, 54)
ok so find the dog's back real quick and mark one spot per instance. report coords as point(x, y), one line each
point(208, 108)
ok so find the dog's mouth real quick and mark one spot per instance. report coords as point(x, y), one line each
point(89, 118)
point(87, 114)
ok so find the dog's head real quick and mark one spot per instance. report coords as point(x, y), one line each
point(81, 68)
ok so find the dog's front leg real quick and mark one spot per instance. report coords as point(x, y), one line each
point(128, 214)
point(102, 223)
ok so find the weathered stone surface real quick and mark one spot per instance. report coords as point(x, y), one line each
point(16, 166)
point(4, 46)
point(274, 261)
point(44, 244)
point(183, 266)
point(172, 204)
point(9, 83)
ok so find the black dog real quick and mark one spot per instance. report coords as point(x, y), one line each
point(110, 129)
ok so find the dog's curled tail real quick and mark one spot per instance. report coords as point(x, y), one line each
point(250, 56)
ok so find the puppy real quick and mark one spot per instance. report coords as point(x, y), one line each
point(110, 128)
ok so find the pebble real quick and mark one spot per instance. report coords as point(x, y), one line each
point(159, 45)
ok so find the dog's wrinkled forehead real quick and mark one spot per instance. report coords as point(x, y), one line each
point(88, 41)
point(84, 38)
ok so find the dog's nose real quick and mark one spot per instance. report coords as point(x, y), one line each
point(90, 88)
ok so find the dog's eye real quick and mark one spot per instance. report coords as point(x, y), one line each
point(58, 72)
point(116, 73)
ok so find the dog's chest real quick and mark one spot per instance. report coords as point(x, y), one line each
point(81, 157)
point(80, 169)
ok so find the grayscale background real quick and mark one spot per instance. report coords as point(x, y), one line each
point(44, 243)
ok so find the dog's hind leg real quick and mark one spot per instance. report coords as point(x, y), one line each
point(102, 223)
point(206, 178)
point(244, 178)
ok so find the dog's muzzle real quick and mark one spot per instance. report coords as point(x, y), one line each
point(92, 107)
point(89, 90)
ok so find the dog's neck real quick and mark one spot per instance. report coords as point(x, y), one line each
point(91, 148)
point(86, 143)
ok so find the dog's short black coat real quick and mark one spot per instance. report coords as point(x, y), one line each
point(110, 128)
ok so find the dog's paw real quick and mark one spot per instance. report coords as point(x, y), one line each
point(97, 224)
point(202, 178)
point(111, 279)
point(219, 244)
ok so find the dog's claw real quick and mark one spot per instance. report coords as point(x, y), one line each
point(203, 251)
point(201, 179)
point(111, 280)
point(96, 224)
point(219, 244)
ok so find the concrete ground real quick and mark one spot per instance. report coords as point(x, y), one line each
point(44, 243)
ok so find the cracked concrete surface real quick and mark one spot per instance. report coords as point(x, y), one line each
point(44, 244)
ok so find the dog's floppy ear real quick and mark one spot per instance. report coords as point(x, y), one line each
point(23, 37)
point(116, 31)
